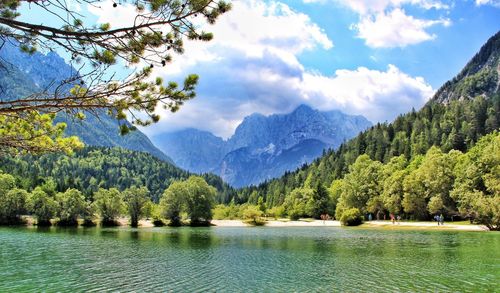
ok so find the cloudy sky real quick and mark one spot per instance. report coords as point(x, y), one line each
point(376, 58)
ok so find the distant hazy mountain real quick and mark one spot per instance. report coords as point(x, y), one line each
point(262, 147)
point(194, 150)
point(23, 74)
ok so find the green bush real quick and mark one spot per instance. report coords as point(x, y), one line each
point(252, 215)
point(351, 217)
point(295, 213)
point(276, 212)
point(220, 212)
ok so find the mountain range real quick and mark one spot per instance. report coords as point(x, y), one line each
point(22, 74)
point(262, 147)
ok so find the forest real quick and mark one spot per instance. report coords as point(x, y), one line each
point(99, 167)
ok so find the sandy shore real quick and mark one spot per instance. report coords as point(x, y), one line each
point(425, 225)
point(124, 222)
point(278, 223)
point(373, 224)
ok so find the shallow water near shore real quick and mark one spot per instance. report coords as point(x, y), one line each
point(234, 259)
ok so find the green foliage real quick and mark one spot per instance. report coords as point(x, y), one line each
point(296, 203)
point(34, 133)
point(276, 212)
point(109, 205)
point(393, 192)
point(136, 201)
point(433, 178)
point(435, 205)
point(42, 206)
point(7, 182)
point(477, 184)
point(319, 203)
point(97, 167)
point(200, 200)
point(12, 205)
point(160, 34)
point(335, 192)
point(362, 183)
point(72, 204)
point(172, 202)
point(193, 196)
point(253, 215)
point(220, 212)
point(261, 204)
point(229, 212)
point(156, 215)
point(351, 217)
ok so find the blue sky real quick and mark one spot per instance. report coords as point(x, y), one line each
point(377, 58)
point(436, 60)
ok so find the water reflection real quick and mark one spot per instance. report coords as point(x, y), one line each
point(246, 259)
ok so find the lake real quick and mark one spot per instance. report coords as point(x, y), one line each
point(247, 259)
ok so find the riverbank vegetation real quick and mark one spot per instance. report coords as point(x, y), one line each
point(46, 205)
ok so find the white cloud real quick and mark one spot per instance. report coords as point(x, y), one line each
point(377, 95)
point(238, 86)
point(395, 29)
point(495, 3)
point(120, 16)
point(376, 6)
point(252, 66)
point(385, 24)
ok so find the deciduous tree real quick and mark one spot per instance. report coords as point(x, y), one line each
point(136, 199)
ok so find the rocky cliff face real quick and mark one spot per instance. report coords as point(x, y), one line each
point(262, 147)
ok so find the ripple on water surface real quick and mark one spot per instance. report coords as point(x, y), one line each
point(247, 259)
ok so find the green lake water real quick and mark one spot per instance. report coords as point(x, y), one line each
point(247, 260)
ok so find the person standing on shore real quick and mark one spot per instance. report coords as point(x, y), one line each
point(437, 219)
point(441, 219)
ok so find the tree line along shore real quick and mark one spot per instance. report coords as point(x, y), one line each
point(454, 184)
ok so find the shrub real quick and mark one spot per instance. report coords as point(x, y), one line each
point(294, 214)
point(220, 212)
point(156, 217)
point(351, 217)
point(276, 212)
point(252, 215)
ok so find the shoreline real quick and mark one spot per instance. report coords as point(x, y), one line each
point(424, 225)
point(278, 223)
point(375, 224)
point(367, 224)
